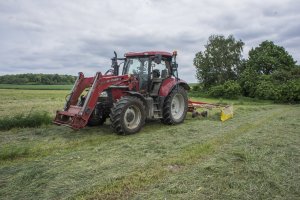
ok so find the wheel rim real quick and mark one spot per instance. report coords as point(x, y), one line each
point(177, 106)
point(132, 117)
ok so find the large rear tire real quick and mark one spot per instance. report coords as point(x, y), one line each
point(128, 115)
point(175, 106)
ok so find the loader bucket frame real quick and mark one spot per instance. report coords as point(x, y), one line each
point(75, 116)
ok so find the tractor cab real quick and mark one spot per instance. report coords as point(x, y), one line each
point(150, 69)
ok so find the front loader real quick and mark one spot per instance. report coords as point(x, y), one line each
point(76, 113)
point(148, 88)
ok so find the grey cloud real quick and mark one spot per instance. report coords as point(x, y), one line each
point(96, 47)
point(254, 34)
point(292, 31)
point(71, 36)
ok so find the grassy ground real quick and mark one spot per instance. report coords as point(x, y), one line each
point(23, 101)
point(253, 156)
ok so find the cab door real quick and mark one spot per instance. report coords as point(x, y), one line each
point(159, 72)
point(139, 67)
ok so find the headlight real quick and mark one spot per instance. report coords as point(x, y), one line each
point(104, 94)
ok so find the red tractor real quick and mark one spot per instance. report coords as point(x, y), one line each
point(149, 87)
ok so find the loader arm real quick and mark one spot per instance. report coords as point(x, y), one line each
point(77, 117)
point(80, 85)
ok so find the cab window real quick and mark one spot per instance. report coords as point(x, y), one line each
point(137, 66)
point(160, 70)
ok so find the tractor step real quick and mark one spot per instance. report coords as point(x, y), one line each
point(157, 114)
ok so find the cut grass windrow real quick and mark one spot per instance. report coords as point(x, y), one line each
point(9, 153)
point(129, 185)
point(33, 119)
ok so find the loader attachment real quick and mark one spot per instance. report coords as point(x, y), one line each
point(226, 113)
point(76, 115)
point(226, 110)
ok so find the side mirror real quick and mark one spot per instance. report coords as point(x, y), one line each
point(157, 59)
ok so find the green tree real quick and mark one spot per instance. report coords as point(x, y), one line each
point(48, 79)
point(230, 89)
point(268, 58)
point(248, 81)
point(271, 73)
point(220, 62)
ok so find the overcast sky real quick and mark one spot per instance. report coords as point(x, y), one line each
point(68, 36)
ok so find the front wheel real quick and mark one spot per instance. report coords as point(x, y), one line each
point(175, 106)
point(128, 115)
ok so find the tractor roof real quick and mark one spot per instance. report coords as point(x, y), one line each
point(148, 53)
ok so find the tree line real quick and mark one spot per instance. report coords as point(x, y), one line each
point(38, 79)
point(270, 72)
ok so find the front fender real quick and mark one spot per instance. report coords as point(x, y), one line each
point(137, 94)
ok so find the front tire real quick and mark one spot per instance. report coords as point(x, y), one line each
point(128, 115)
point(175, 106)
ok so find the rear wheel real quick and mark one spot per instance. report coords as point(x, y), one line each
point(175, 106)
point(128, 115)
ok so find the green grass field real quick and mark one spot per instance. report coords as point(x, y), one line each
point(255, 155)
point(36, 87)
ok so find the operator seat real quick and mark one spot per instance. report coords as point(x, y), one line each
point(156, 73)
point(164, 73)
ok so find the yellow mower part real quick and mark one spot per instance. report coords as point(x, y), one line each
point(226, 113)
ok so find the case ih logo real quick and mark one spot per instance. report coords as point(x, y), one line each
point(111, 80)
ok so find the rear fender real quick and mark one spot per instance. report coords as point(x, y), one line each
point(169, 84)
